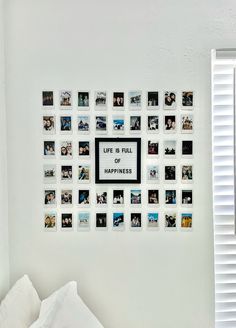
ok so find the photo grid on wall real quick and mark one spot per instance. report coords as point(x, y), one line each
point(162, 199)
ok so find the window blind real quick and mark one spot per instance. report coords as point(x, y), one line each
point(223, 164)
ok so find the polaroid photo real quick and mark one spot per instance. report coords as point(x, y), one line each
point(170, 221)
point(101, 221)
point(101, 197)
point(187, 100)
point(153, 197)
point(187, 173)
point(152, 221)
point(135, 221)
point(100, 100)
point(153, 173)
point(135, 197)
point(84, 149)
point(50, 197)
point(50, 221)
point(49, 124)
point(135, 100)
point(169, 100)
point(187, 198)
point(84, 197)
point(83, 124)
point(83, 100)
point(135, 124)
point(65, 124)
point(170, 198)
point(118, 100)
point(83, 222)
point(84, 173)
point(118, 197)
point(187, 123)
point(186, 221)
point(187, 148)
point(118, 221)
point(49, 173)
point(66, 221)
point(170, 124)
point(66, 197)
point(169, 148)
point(153, 124)
point(65, 99)
point(101, 124)
point(66, 149)
point(152, 100)
point(118, 124)
point(66, 173)
point(153, 148)
point(49, 149)
point(47, 99)
point(170, 173)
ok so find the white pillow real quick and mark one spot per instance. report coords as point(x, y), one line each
point(65, 309)
point(21, 306)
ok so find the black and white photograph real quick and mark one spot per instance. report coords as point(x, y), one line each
point(49, 149)
point(49, 173)
point(118, 221)
point(50, 197)
point(83, 221)
point(169, 148)
point(66, 173)
point(100, 99)
point(66, 149)
point(152, 220)
point(153, 124)
point(152, 100)
point(83, 100)
point(83, 124)
point(135, 99)
point(170, 100)
point(153, 197)
point(170, 124)
point(118, 100)
point(50, 221)
point(118, 124)
point(170, 173)
point(84, 173)
point(135, 123)
point(170, 197)
point(101, 197)
point(65, 99)
point(153, 148)
point(84, 149)
point(187, 148)
point(66, 197)
point(153, 173)
point(101, 220)
point(84, 197)
point(66, 124)
point(187, 99)
point(118, 197)
point(101, 124)
point(135, 221)
point(170, 220)
point(135, 196)
point(47, 99)
point(187, 173)
point(49, 124)
point(66, 221)
point(187, 197)
point(187, 123)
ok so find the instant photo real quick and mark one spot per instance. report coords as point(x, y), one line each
point(187, 123)
point(187, 99)
point(66, 197)
point(50, 197)
point(170, 220)
point(50, 221)
point(170, 197)
point(83, 100)
point(187, 198)
point(101, 124)
point(66, 149)
point(187, 173)
point(118, 124)
point(100, 99)
point(101, 221)
point(152, 100)
point(101, 197)
point(118, 221)
point(66, 124)
point(186, 221)
point(152, 221)
point(170, 148)
point(153, 148)
point(153, 124)
point(118, 100)
point(135, 197)
point(153, 197)
point(47, 99)
point(153, 173)
point(135, 221)
point(118, 197)
point(65, 99)
point(66, 221)
point(66, 173)
point(187, 148)
point(49, 149)
point(170, 100)
point(170, 173)
point(83, 197)
point(49, 124)
point(84, 173)
point(170, 124)
point(135, 98)
point(49, 173)
point(84, 149)
point(83, 221)
point(135, 123)
point(83, 124)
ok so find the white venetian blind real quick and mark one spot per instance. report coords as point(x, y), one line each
point(223, 161)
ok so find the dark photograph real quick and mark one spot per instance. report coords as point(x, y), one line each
point(170, 173)
point(47, 98)
point(187, 147)
point(152, 99)
point(101, 220)
point(66, 220)
point(170, 196)
point(118, 99)
point(83, 99)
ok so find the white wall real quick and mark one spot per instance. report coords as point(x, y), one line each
point(4, 255)
point(129, 280)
